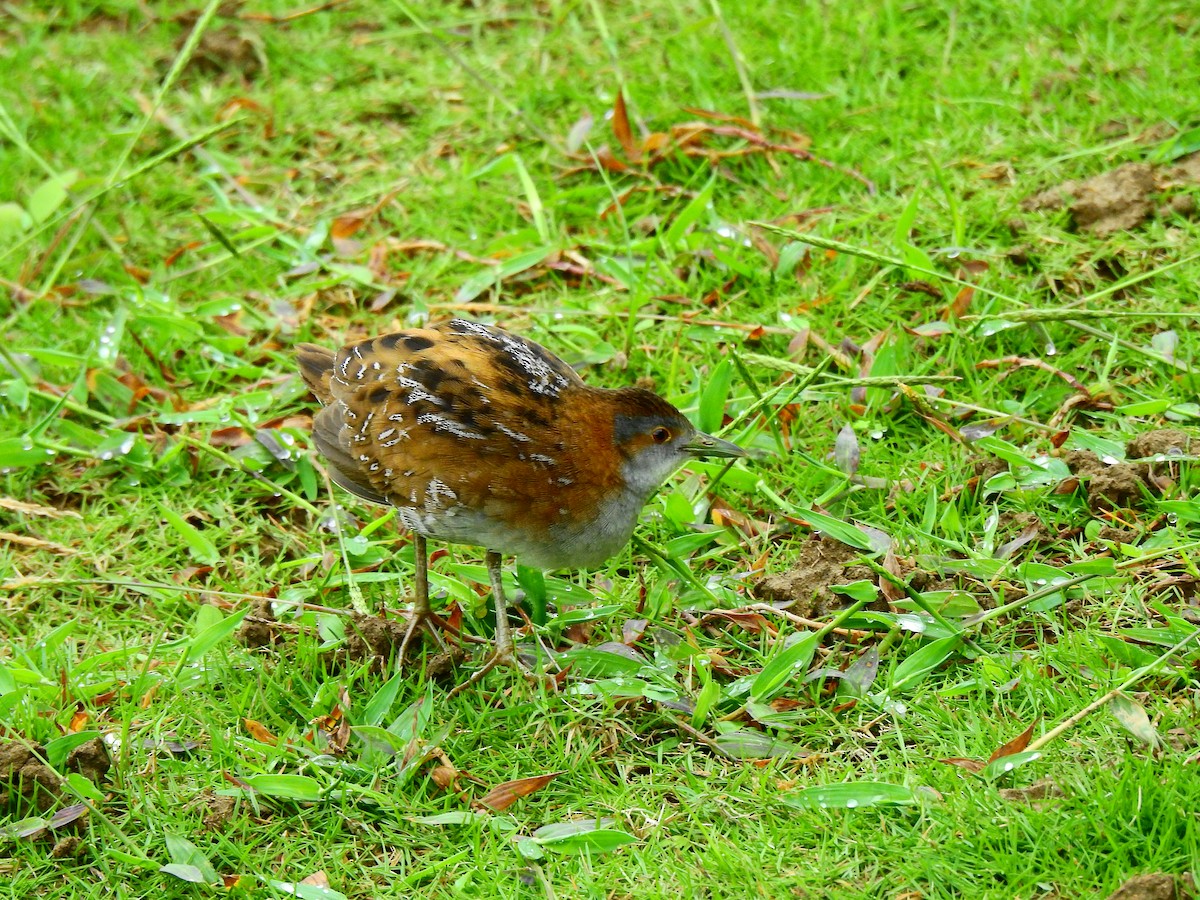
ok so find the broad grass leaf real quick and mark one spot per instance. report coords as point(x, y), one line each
point(24, 828)
point(82, 786)
point(603, 840)
point(48, 196)
point(481, 281)
point(533, 583)
point(202, 550)
point(1003, 450)
point(300, 788)
point(746, 743)
point(852, 795)
point(859, 677)
point(696, 209)
point(917, 666)
point(705, 701)
point(848, 534)
point(18, 452)
point(862, 591)
point(189, 860)
point(60, 748)
point(1006, 764)
point(13, 220)
point(783, 667)
point(593, 662)
point(381, 702)
point(454, 817)
point(379, 739)
point(413, 721)
point(184, 872)
point(214, 634)
point(714, 396)
point(557, 831)
point(307, 891)
point(789, 258)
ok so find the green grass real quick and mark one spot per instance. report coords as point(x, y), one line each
point(149, 397)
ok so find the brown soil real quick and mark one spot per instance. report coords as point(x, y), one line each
point(25, 782)
point(1036, 795)
point(1154, 886)
point(376, 640)
point(1164, 441)
point(258, 628)
point(220, 810)
point(805, 586)
point(1124, 197)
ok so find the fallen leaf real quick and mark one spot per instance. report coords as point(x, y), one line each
point(502, 796)
point(620, 126)
point(1016, 745)
point(259, 732)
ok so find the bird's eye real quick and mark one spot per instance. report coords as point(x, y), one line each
point(661, 435)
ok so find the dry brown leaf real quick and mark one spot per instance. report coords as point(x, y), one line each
point(891, 591)
point(1016, 745)
point(33, 509)
point(620, 126)
point(259, 732)
point(502, 796)
point(974, 766)
point(961, 302)
point(36, 543)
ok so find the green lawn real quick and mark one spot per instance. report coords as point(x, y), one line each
point(805, 224)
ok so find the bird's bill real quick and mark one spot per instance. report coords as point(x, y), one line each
point(703, 444)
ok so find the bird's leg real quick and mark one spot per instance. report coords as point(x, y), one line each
point(422, 614)
point(505, 652)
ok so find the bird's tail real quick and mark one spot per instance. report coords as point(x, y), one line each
point(316, 365)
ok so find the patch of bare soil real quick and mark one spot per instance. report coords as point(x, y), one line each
point(219, 810)
point(27, 783)
point(805, 586)
point(1155, 886)
point(1126, 485)
point(378, 641)
point(260, 628)
point(1124, 197)
point(1037, 795)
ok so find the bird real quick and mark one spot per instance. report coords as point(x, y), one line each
point(479, 436)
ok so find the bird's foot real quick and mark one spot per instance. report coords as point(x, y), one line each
point(502, 656)
point(427, 621)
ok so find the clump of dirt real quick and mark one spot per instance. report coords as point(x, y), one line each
point(1160, 448)
point(1127, 485)
point(1155, 886)
point(260, 627)
point(805, 586)
point(1164, 442)
point(373, 638)
point(988, 466)
point(26, 782)
point(222, 49)
point(1036, 795)
point(220, 810)
point(1124, 197)
point(378, 641)
point(67, 847)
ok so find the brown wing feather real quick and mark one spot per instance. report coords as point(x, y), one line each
point(427, 419)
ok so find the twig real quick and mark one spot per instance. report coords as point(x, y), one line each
point(1134, 677)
